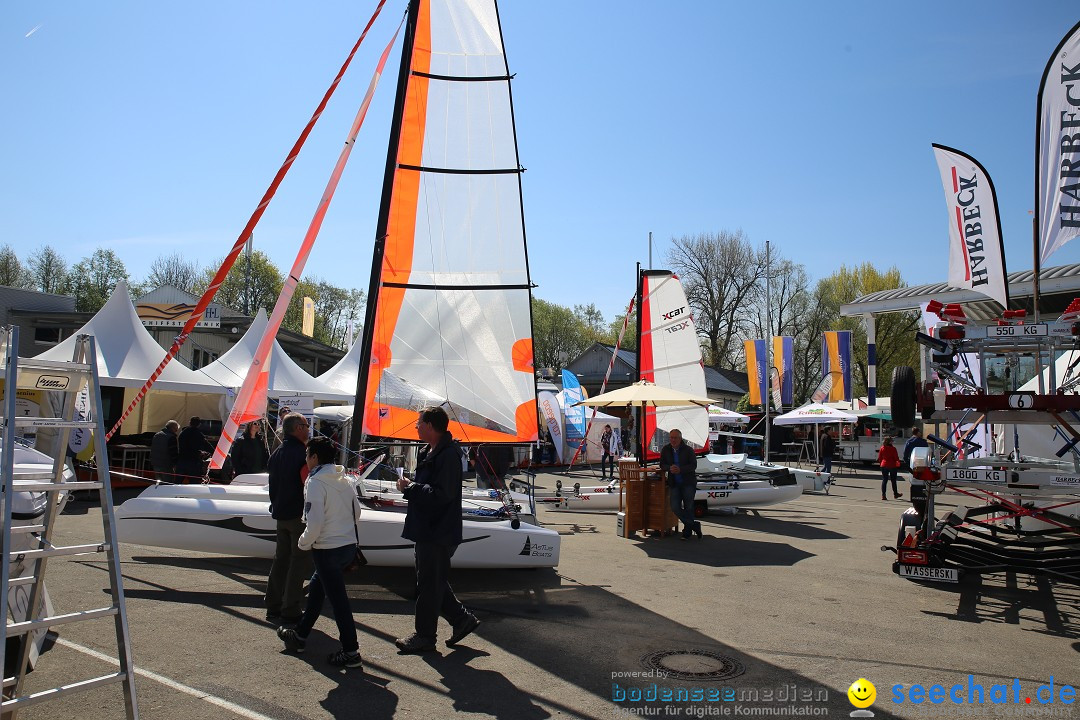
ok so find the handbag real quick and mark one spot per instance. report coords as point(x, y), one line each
point(358, 560)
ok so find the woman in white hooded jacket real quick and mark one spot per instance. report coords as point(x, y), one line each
point(329, 515)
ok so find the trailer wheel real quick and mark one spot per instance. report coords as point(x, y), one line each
point(903, 396)
point(700, 509)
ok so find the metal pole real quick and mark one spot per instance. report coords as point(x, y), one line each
point(247, 275)
point(768, 344)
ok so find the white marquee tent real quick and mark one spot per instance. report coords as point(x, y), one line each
point(127, 355)
point(286, 377)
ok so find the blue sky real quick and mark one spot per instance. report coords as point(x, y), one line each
point(152, 128)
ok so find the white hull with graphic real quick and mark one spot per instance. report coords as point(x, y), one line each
point(215, 523)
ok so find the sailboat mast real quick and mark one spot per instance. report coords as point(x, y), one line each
point(368, 335)
point(639, 421)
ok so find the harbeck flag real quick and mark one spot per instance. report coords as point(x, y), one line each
point(976, 250)
point(1057, 148)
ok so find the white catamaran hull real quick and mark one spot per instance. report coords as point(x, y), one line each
point(245, 528)
point(810, 480)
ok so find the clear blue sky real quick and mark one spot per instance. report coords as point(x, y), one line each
point(152, 128)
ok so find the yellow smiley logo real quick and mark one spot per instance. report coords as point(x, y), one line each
point(862, 693)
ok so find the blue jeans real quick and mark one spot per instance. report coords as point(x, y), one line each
point(888, 474)
point(682, 504)
point(826, 465)
point(329, 582)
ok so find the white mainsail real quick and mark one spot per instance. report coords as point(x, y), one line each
point(449, 305)
point(670, 355)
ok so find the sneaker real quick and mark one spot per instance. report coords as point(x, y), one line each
point(884, 498)
point(898, 495)
point(293, 642)
point(346, 659)
point(415, 643)
point(462, 628)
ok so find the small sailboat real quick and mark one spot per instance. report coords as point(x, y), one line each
point(448, 304)
point(669, 354)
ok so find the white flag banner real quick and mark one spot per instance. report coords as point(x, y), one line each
point(1057, 168)
point(976, 251)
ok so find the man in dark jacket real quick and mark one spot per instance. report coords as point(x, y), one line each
point(680, 464)
point(193, 448)
point(433, 523)
point(285, 586)
point(915, 441)
point(164, 451)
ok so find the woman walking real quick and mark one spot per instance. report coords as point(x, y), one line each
point(329, 512)
point(889, 461)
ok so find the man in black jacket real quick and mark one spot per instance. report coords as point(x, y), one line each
point(285, 586)
point(680, 464)
point(433, 523)
point(164, 451)
point(192, 450)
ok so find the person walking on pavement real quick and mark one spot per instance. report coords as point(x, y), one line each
point(680, 464)
point(330, 533)
point(433, 523)
point(889, 462)
point(287, 469)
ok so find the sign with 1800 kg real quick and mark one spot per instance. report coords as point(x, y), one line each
point(976, 475)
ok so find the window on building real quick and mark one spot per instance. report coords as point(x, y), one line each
point(47, 335)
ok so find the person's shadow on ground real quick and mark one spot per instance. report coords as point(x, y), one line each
point(482, 691)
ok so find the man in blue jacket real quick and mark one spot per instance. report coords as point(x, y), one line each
point(680, 464)
point(292, 566)
point(433, 523)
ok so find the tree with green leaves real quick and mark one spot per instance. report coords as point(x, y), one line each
point(559, 335)
point(94, 278)
point(895, 331)
point(48, 271)
point(265, 285)
point(335, 307)
point(12, 272)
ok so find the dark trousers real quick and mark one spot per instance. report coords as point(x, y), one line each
point(888, 474)
point(434, 596)
point(682, 504)
point(329, 583)
point(292, 566)
point(605, 460)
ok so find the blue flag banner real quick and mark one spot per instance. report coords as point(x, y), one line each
point(836, 360)
point(784, 362)
point(575, 416)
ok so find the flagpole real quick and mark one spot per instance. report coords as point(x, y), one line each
point(768, 345)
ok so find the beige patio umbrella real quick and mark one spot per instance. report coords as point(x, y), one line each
point(646, 394)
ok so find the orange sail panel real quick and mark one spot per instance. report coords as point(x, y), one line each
point(452, 324)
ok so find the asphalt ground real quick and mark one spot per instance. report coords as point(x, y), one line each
point(798, 601)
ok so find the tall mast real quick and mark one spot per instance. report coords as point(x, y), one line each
point(768, 345)
point(368, 336)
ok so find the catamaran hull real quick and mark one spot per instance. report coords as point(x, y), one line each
point(734, 493)
point(245, 528)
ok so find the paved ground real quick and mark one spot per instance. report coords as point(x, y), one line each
point(799, 596)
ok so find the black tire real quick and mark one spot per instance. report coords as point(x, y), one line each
point(903, 396)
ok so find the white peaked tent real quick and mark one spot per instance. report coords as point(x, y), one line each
point(127, 355)
point(286, 377)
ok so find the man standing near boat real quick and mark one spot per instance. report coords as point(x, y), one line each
point(433, 523)
point(680, 464)
point(164, 451)
point(285, 586)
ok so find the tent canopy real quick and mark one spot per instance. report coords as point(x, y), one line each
point(813, 414)
point(126, 353)
point(286, 377)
